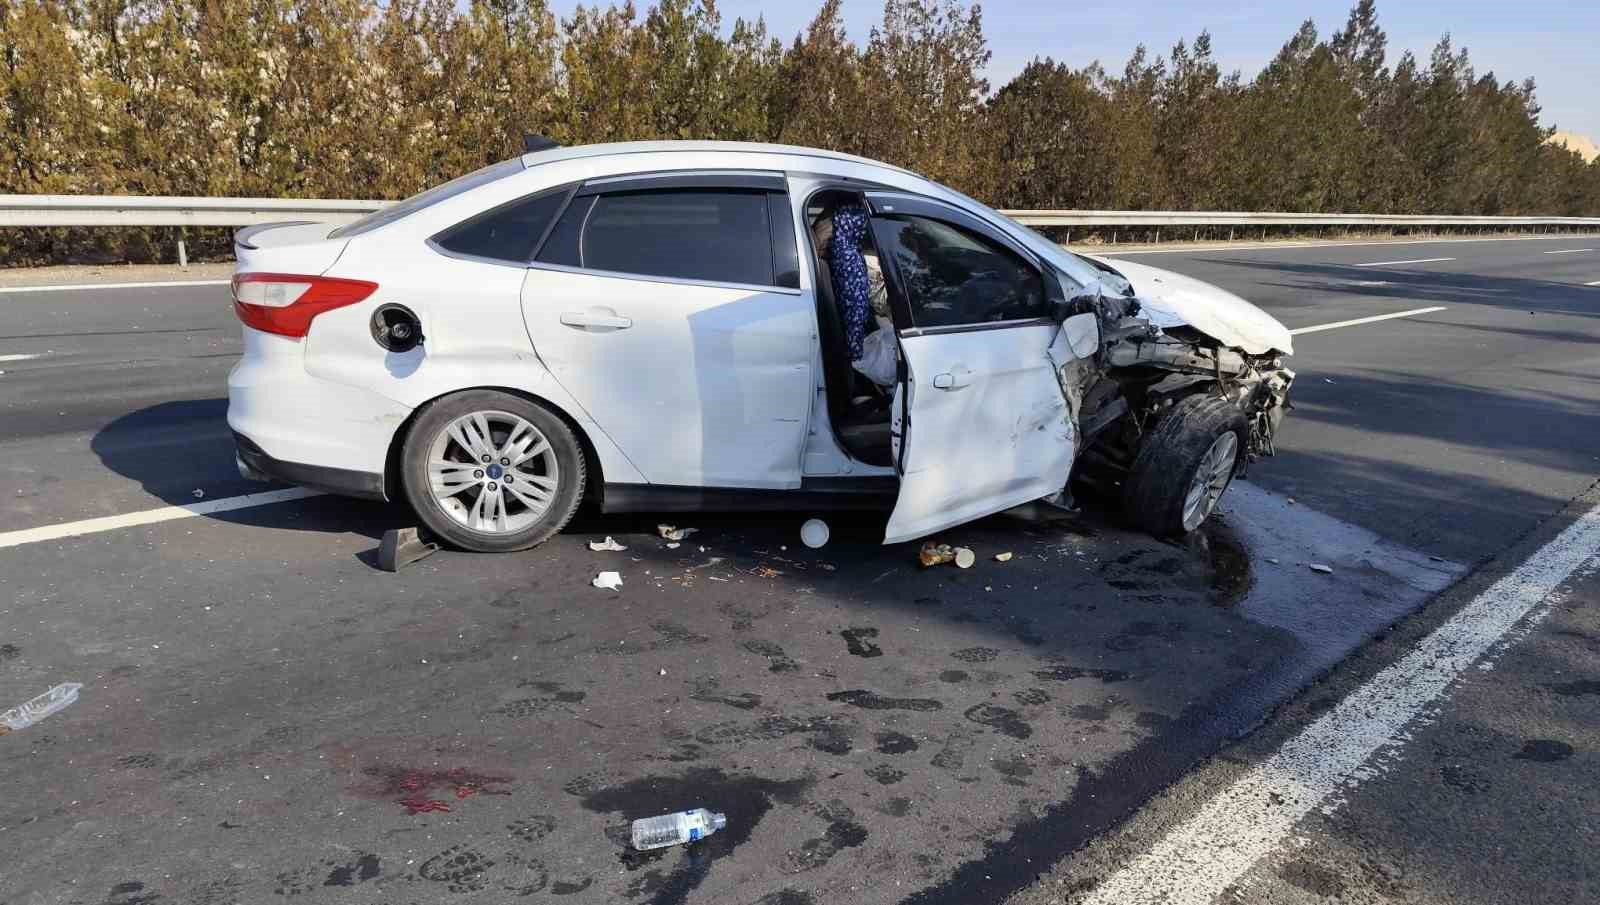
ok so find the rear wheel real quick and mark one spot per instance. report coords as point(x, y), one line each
point(492, 472)
point(1184, 465)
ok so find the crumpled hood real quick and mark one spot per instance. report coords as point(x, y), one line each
point(1172, 299)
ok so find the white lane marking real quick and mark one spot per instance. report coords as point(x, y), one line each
point(19, 357)
point(1595, 283)
point(1212, 849)
point(81, 287)
point(1288, 246)
point(1365, 320)
point(1412, 261)
point(1568, 251)
point(151, 516)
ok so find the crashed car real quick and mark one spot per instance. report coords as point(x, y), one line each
point(675, 326)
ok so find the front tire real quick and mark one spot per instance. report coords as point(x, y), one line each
point(1184, 465)
point(491, 472)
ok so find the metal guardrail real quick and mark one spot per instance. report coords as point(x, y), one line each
point(168, 210)
point(134, 210)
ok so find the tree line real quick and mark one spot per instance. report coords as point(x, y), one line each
point(369, 99)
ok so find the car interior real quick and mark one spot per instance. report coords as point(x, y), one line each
point(858, 408)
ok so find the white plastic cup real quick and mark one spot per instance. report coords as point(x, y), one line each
point(814, 533)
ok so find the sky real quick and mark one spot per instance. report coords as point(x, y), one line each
point(1554, 41)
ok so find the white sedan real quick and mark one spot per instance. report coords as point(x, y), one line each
point(662, 327)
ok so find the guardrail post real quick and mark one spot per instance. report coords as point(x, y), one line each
point(183, 255)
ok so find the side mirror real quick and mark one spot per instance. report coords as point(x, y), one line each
point(396, 328)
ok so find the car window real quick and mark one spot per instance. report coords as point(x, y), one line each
point(438, 193)
point(508, 233)
point(953, 276)
point(721, 236)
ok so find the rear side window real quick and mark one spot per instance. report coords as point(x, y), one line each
point(712, 235)
point(507, 233)
point(386, 215)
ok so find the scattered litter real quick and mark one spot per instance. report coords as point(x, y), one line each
point(933, 554)
point(673, 546)
point(705, 565)
point(1320, 568)
point(51, 702)
point(702, 548)
point(662, 672)
point(1291, 501)
point(965, 558)
point(766, 571)
point(668, 532)
point(814, 533)
point(609, 544)
point(198, 493)
point(675, 829)
point(716, 578)
point(1002, 557)
point(1271, 560)
point(607, 581)
point(827, 566)
point(1437, 558)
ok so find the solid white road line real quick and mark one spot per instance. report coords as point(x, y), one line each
point(151, 516)
point(1365, 320)
point(1595, 283)
point(18, 357)
point(1568, 251)
point(76, 287)
point(1214, 848)
point(1414, 261)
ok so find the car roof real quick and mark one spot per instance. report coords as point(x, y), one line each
point(610, 149)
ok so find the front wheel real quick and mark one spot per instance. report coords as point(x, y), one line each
point(491, 472)
point(1184, 465)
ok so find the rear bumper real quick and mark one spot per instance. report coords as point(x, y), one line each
point(254, 463)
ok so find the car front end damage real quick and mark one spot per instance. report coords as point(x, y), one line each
point(1151, 365)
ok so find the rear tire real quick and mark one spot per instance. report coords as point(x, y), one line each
point(490, 472)
point(1184, 465)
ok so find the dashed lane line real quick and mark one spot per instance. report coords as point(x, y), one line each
point(1392, 263)
point(1211, 850)
point(1365, 320)
point(151, 516)
point(82, 287)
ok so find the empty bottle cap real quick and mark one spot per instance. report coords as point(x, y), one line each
point(719, 821)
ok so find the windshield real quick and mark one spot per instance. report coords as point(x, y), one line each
point(432, 196)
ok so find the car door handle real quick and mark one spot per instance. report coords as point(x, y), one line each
point(595, 319)
point(952, 380)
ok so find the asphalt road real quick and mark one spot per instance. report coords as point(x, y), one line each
point(258, 699)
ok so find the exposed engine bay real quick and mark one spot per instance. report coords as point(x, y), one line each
point(1141, 370)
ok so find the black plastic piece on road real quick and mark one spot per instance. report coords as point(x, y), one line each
point(401, 547)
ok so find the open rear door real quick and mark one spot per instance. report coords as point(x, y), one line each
point(981, 422)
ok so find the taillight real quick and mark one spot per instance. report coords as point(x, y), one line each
point(286, 303)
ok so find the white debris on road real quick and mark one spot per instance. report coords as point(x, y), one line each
point(608, 581)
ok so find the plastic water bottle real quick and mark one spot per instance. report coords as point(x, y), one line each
point(53, 701)
point(676, 829)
